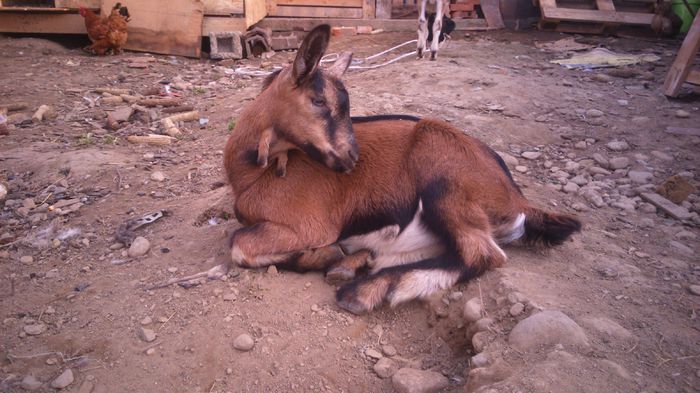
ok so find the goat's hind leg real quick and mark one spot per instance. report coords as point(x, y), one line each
point(437, 28)
point(422, 30)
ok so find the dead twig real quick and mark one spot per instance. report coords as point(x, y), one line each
point(167, 320)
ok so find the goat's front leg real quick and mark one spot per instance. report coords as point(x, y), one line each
point(437, 28)
point(422, 30)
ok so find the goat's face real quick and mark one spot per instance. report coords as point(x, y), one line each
point(312, 106)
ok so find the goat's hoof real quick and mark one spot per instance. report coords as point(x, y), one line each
point(339, 274)
point(419, 52)
point(353, 306)
point(433, 56)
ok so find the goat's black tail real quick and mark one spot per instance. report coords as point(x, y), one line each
point(548, 229)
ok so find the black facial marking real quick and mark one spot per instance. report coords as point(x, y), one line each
point(312, 151)
point(250, 156)
point(366, 119)
point(342, 98)
point(361, 224)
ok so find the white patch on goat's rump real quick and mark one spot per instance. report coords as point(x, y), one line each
point(391, 247)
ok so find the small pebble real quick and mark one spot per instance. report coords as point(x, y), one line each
point(682, 114)
point(516, 309)
point(172, 270)
point(158, 176)
point(146, 321)
point(30, 383)
point(146, 335)
point(139, 247)
point(243, 343)
point(389, 350)
point(63, 380)
point(315, 308)
point(150, 351)
point(373, 353)
point(385, 368)
point(272, 269)
point(531, 155)
point(230, 297)
point(521, 168)
point(694, 289)
point(35, 330)
point(26, 259)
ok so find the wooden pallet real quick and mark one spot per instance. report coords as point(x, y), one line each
point(603, 18)
point(681, 70)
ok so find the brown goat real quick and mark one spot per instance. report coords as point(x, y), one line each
point(421, 203)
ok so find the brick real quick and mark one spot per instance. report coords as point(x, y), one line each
point(225, 45)
point(343, 30)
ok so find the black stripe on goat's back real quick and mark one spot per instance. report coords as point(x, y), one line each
point(366, 119)
point(504, 167)
point(364, 223)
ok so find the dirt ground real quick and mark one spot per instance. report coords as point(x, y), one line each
point(71, 297)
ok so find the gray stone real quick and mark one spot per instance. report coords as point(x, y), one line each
point(35, 330)
point(479, 360)
point(244, 343)
point(146, 321)
point(531, 155)
point(694, 289)
point(546, 328)
point(618, 145)
point(139, 247)
point(508, 159)
point(63, 380)
point(26, 259)
point(581, 145)
point(30, 383)
point(685, 235)
point(640, 177)
point(122, 114)
point(623, 102)
point(593, 197)
point(373, 353)
point(661, 155)
point(521, 168)
point(668, 207)
point(579, 180)
point(570, 188)
point(516, 309)
point(146, 335)
point(572, 166)
point(682, 114)
point(88, 387)
point(480, 340)
point(594, 170)
point(646, 208)
point(472, 310)
point(385, 368)
point(3, 192)
point(601, 160)
point(158, 176)
point(619, 162)
point(408, 380)
point(230, 297)
point(594, 113)
point(389, 350)
point(607, 328)
point(681, 248)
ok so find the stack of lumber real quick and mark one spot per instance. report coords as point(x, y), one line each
point(594, 16)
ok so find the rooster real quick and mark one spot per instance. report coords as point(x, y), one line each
point(106, 32)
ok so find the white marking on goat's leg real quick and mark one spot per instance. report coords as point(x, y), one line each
point(437, 27)
point(422, 30)
point(419, 284)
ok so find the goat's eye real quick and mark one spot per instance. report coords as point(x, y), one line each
point(318, 101)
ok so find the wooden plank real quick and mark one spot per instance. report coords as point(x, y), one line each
point(693, 77)
point(218, 24)
point(317, 12)
point(630, 18)
point(681, 66)
point(388, 25)
point(37, 10)
point(255, 11)
point(172, 27)
point(77, 3)
point(492, 13)
point(383, 9)
point(322, 3)
point(605, 5)
point(223, 7)
point(368, 11)
point(11, 22)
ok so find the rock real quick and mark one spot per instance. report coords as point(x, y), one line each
point(685, 235)
point(149, 156)
point(26, 259)
point(150, 351)
point(30, 383)
point(389, 350)
point(385, 368)
point(682, 114)
point(581, 145)
point(579, 180)
point(546, 328)
point(158, 176)
point(531, 155)
point(668, 207)
point(646, 208)
point(679, 247)
point(623, 102)
point(570, 188)
point(35, 330)
point(230, 297)
point(122, 114)
point(272, 269)
point(408, 380)
point(661, 155)
point(572, 166)
point(607, 328)
point(315, 308)
point(3, 192)
point(594, 113)
point(243, 343)
point(694, 289)
point(618, 145)
point(676, 189)
point(479, 360)
point(521, 168)
point(593, 197)
point(472, 310)
point(640, 177)
point(146, 335)
point(480, 340)
point(601, 160)
point(604, 78)
point(63, 380)
point(516, 309)
point(619, 162)
point(373, 353)
point(594, 170)
point(139, 247)
point(508, 159)
point(614, 368)
point(146, 321)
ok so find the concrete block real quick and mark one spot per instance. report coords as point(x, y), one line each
point(280, 42)
point(225, 45)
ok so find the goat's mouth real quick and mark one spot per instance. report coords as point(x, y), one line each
point(342, 164)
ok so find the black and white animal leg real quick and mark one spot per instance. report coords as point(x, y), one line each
point(422, 30)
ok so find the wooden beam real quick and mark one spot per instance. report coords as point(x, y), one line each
point(403, 25)
point(223, 7)
point(630, 18)
point(255, 10)
point(368, 11)
point(322, 3)
point(12, 22)
point(693, 77)
point(218, 24)
point(316, 12)
point(383, 9)
point(680, 69)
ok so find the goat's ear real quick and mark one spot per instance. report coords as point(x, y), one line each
point(309, 55)
point(341, 65)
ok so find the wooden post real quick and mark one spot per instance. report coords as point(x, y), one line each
point(383, 9)
point(368, 9)
point(680, 69)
